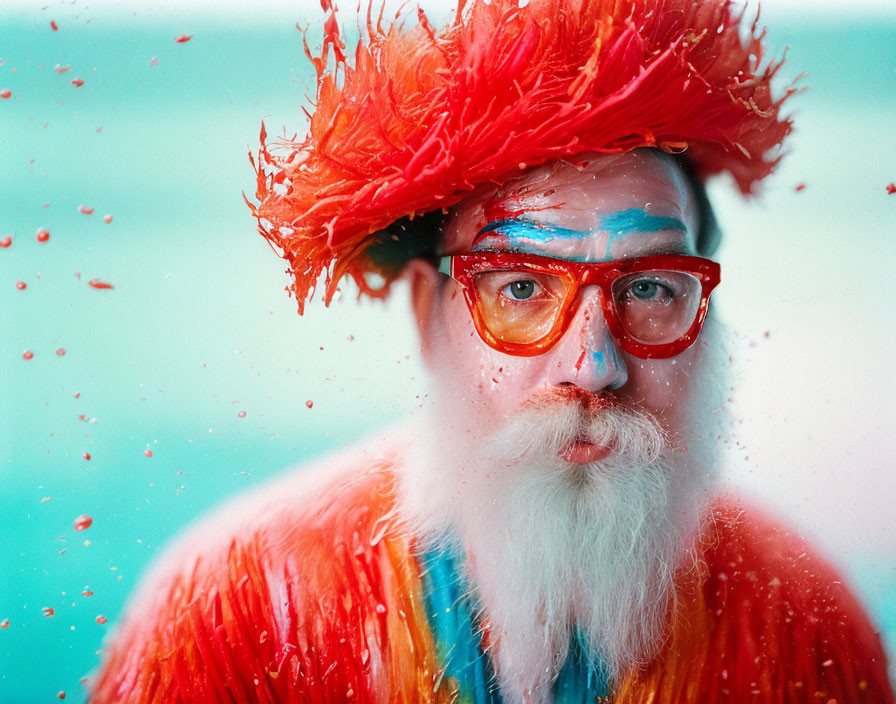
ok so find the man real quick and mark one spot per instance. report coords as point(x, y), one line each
point(551, 530)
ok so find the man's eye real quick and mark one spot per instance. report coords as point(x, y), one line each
point(647, 290)
point(520, 290)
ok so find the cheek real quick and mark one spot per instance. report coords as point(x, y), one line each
point(664, 386)
point(482, 382)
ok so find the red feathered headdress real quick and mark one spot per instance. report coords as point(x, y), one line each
point(425, 116)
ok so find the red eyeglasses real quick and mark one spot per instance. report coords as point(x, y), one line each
point(522, 304)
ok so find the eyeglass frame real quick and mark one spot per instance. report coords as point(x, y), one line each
point(461, 267)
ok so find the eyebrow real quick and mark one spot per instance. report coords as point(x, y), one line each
point(524, 231)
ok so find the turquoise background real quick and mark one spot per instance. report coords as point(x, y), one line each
point(198, 328)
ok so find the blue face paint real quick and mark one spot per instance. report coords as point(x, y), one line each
point(623, 222)
point(600, 362)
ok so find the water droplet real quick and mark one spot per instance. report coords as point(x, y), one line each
point(381, 608)
point(5, 241)
point(21, 285)
point(48, 611)
point(309, 403)
point(78, 82)
point(42, 235)
point(85, 209)
point(82, 522)
point(107, 219)
point(147, 452)
point(27, 354)
point(4, 623)
point(77, 394)
point(86, 456)
point(60, 352)
point(101, 619)
point(154, 61)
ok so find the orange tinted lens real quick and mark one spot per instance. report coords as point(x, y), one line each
point(657, 307)
point(519, 306)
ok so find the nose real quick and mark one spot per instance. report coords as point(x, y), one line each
point(587, 355)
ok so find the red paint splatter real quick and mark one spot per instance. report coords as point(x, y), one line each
point(799, 187)
point(5, 241)
point(107, 219)
point(86, 456)
point(4, 623)
point(154, 61)
point(87, 592)
point(99, 283)
point(21, 285)
point(61, 695)
point(183, 38)
point(61, 69)
point(54, 26)
point(5, 93)
point(27, 354)
point(147, 452)
point(309, 403)
point(48, 611)
point(82, 522)
point(86, 209)
point(42, 235)
point(82, 417)
point(77, 394)
point(891, 188)
point(242, 414)
point(60, 352)
point(78, 82)
point(101, 619)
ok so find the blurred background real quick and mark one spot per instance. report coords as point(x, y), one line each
point(193, 378)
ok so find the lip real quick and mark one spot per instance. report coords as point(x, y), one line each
point(585, 452)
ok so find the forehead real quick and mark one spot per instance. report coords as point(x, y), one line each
point(597, 208)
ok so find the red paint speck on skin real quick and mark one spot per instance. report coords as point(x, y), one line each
point(86, 456)
point(54, 26)
point(183, 38)
point(27, 354)
point(99, 283)
point(87, 592)
point(5, 93)
point(147, 452)
point(5, 241)
point(86, 209)
point(800, 187)
point(4, 623)
point(242, 414)
point(42, 235)
point(61, 69)
point(21, 285)
point(82, 522)
point(48, 611)
point(60, 352)
point(78, 82)
point(101, 619)
point(107, 219)
point(309, 403)
point(891, 188)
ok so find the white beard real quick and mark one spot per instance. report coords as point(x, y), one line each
point(552, 547)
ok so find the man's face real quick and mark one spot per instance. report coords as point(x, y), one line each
point(603, 208)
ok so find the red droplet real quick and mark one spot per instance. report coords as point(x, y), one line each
point(60, 352)
point(147, 452)
point(77, 394)
point(309, 403)
point(21, 285)
point(800, 187)
point(101, 619)
point(891, 188)
point(87, 592)
point(61, 69)
point(54, 26)
point(61, 695)
point(81, 416)
point(86, 456)
point(48, 611)
point(99, 283)
point(242, 414)
point(154, 61)
point(4, 623)
point(183, 38)
point(5, 93)
point(27, 354)
point(107, 219)
point(78, 82)
point(5, 241)
point(82, 522)
point(42, 235)
point(86, 209)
